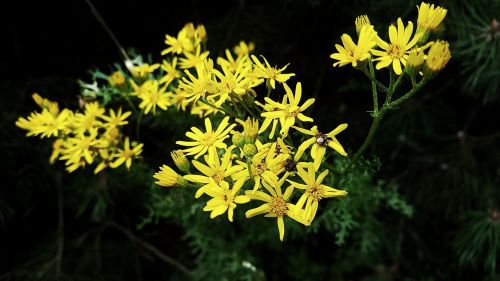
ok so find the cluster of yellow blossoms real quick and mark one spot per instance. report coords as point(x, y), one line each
point(248, 155)
point(245, 153)
point(82, 138)
point(405, 48)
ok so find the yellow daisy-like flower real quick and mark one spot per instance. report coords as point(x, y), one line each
point(271, 74)
point(178, 44)
point(429, 17)
point(171, 72)
point(319, 142)
point(314, 190)
point(276, 205)
point(215, 171)
point(244, 49)
point(199, 86)
point(80, 148)
point(351, 53)
point(116, 119)
point(224, 198)
point(143, 69)
point(208, 141)
point(288, 110)
point(152, 96)
point(44, 123)
point(262, 167)
point(233, 82)
point(233, 64)
point(126, 154)
point(396, 52)
point(192, 59)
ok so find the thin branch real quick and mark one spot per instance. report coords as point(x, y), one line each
point(151, 248)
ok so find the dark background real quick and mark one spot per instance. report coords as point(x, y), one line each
point(442, 146)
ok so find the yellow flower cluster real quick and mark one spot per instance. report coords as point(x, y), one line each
point(82, 138)
point(403, 41)
point(247, 155)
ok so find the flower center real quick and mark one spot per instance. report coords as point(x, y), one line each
point(395, 51)
point(322, 139)
point(278, 207)
point(218, 177)
point(258, 168)
point(208, 139)
point(315, 191)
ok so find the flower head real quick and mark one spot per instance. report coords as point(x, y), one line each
point(271, 74)
point(276, 205)
point(208, 141)
point(314, 190)
point(429, 17)
point(167, 177)
point(224, 198)
point(319, 142)
point(437, 58)
point(396, 52)
point(351, 53)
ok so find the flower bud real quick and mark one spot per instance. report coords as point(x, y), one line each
point(249, 150)
point(238, 139)
point(251, 130)
point(437, 58)
point(414, 62)
point(180, 160)
point(360, 22)
point(167, 177)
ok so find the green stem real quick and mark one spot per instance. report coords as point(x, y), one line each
point(371, 134)
point(408, 95)
point(373, 80)
point(218, 108)
point(374, 88)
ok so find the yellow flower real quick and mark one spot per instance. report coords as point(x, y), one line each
point(116, 119)
point(243, 49)
point(51, 106)
point(437, 58)
point(233, 82)
point(288, 110)
point(44, 123)
point(216, 171)
point(319, 142)
point(314, 190)
point(429, 17)
point(207, 141)
point(396, 52)
point(199, 86)
point(262, 168)
point(57, 146)
point(171, 72)
point(151, 97)
point(80, 147)
point(192, 59)
point(351, 53)
point(178, 44)
point(116, 78)
point(224, 199)
point(231, 64)
point(272, 74)
point(169, 178)
point(276, 205)
point(143, 69)
point(126, 154)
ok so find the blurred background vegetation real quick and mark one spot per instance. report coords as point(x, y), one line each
point(424, 206)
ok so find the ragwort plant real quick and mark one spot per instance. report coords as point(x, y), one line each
point(258, 145)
